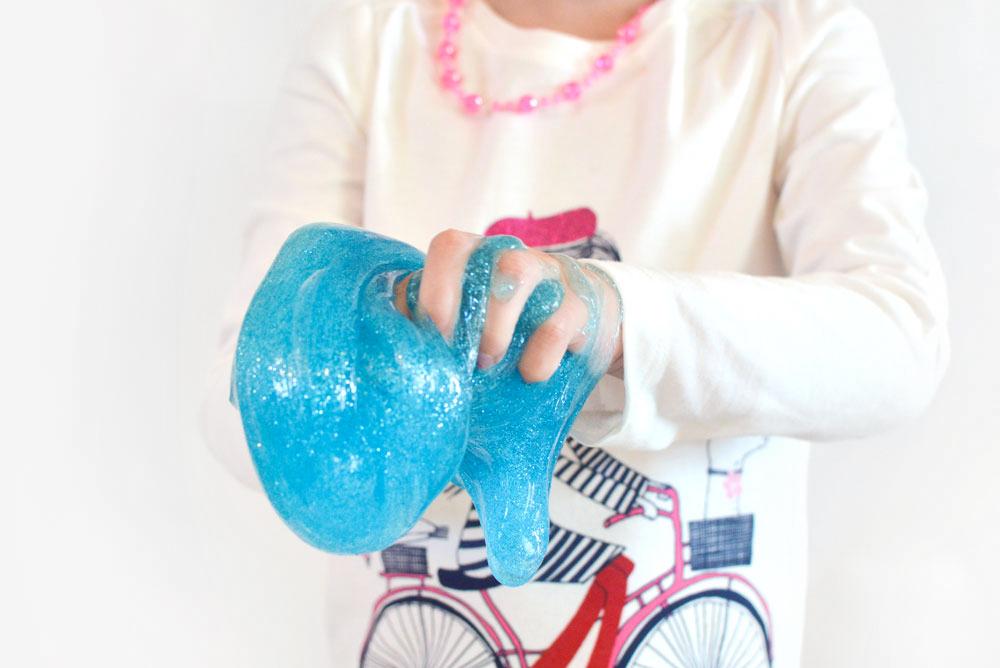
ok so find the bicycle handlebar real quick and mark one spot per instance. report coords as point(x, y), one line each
point(615, 519)
point(662, 491)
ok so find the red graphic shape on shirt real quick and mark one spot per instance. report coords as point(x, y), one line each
point(606, 595)
point(562, 228)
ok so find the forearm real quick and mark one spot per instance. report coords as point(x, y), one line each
point(819, 356)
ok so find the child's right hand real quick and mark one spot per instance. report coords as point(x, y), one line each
point(517, 274)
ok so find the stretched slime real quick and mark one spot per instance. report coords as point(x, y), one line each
point(357, 416)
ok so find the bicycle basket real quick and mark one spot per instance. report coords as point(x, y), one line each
point(405, 559)
point(722, 541)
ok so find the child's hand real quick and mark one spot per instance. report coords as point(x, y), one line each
point(517, 273)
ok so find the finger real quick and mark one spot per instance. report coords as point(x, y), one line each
point(545, 348)
point(441, 283)
point(400, 296)
point(515, 276)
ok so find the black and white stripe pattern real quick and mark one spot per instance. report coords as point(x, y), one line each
point(599, 476)
point(571, 557)
point(472, 548)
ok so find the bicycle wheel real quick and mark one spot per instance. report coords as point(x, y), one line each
point(418, 631)
point(716, 628)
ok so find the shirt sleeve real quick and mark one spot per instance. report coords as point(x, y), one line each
point(314, 172)
point(853, 340)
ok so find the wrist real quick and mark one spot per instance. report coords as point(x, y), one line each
point(609, 343)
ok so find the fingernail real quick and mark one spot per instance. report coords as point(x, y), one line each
point(485, 361)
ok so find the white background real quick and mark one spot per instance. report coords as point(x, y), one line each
point(130, 139)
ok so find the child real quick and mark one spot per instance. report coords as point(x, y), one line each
point(738, 168)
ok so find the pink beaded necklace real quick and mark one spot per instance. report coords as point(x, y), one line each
point(473, 103)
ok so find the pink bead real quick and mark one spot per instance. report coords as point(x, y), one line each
point(628, 32)
point(604, 63)
point(571, 90)
point(451, 22)
point(527, 103)
point(472, 103)
point(447, 50)
point(456, 3)
point(450, 79)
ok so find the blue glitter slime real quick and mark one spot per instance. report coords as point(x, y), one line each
point(357, 416)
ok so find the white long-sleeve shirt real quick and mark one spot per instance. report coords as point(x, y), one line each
point(746, 161)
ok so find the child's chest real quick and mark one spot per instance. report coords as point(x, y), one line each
point(671, 155)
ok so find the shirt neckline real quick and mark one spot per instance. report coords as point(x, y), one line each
point(546, 44)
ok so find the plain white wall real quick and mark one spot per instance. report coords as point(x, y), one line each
point(129, 153)
point(136, 134)
point(906, 527)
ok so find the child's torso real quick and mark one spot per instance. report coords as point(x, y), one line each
point(666, 164)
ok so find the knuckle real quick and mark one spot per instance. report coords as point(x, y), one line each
point(553, 332)
point(575, 308)
point(449, 240)
point(535, 370)
point(437, 305)
point(518, 264)
point(492, 343)
point(439, 312)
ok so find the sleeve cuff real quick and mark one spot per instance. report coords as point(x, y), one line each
point(622, 413)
